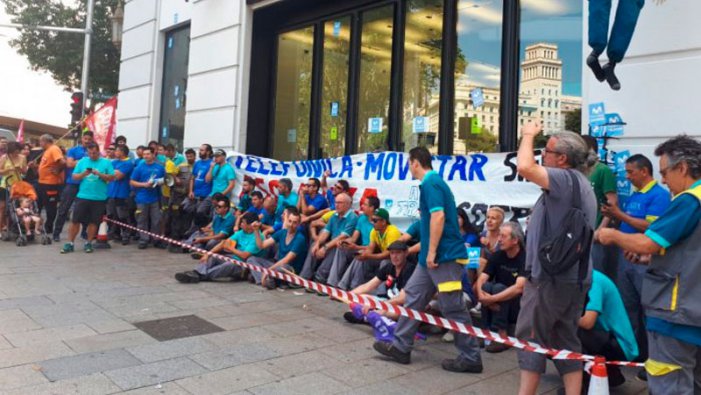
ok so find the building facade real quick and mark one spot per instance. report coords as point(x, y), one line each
point(298, 79)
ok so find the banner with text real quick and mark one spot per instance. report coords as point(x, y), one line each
point(478, 181)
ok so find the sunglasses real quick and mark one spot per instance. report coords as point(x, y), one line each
point(222, 206)
point(375, 220)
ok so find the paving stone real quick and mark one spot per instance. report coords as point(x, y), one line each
point(92, 384)
point(20, 376)
point(436, 380)
point(16, 321)
point(366, 372)
point(74, 318)
point(313, 383)
point(300, 326)
point(48, 335)
point(298, 343)
point(155, 373)
point(23, 355)
point(295, 365)
point(18, 303)
point(172, 349)
point(170, 388)
point(234, 356)
point(109, 341)
point(227, 380)
point(85, 364)
point(4, 343)
point(387, 388)
point(110, 326)
point(240, 336)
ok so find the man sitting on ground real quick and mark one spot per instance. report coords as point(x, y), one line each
point(375, 256)
point(221, 227)
point(500, 286)
point(340, 226)
point(388, 282)
point(312, 200)
point(241, 246)
point(291, 250)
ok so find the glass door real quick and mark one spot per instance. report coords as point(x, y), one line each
point(293, 87)
point(334, 94)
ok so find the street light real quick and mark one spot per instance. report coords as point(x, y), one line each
point(117, 19)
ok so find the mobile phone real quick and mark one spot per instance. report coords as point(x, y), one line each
point(89, 169)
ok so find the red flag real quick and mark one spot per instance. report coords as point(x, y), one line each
point(20, 132)
point(102, 123)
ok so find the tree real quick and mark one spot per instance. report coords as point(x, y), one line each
point(60, 53)
point(482, 142)
point(573, 121)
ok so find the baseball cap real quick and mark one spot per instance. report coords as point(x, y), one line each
point(398, 246)
point(382, 213)
point(219, 152)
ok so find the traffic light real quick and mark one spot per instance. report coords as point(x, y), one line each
point(76, 107)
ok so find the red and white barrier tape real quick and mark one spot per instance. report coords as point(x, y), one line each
point(381, 305)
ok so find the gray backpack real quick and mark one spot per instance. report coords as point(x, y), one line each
point(571, 243)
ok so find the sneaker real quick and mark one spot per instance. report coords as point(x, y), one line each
point(595, 66)
point(196, 255)
point(68, 247)
point(188, 277)
point(125, 242)
point(88, 248)
point(350, 317)
point(642, 375)
point(143, 246)
point(389, 350)
point(609, 70)
point(461, 366)
point(57, 238)
point(495, 347)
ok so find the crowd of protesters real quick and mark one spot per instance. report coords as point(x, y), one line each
point(628, 291)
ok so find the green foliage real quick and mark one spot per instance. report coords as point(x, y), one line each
point(483, 142)
point(61, 54)
point(573, 121)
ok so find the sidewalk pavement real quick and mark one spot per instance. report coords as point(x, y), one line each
point(68, 325)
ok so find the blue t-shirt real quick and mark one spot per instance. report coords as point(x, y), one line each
point(318, 202)
point(364, 226)
point(605, 299)
point(77, 153)
point(330, 199)
point(472, 239)
point(256, 211)
point(246, 242)
point(221, 176)
point(268, 219)
point(648, 203)
point(414, 230)
point(201, 188)
point(93, 187)
point(436, 196)
point(120, 189)
point(284, 202)
point(674, 225)
point(143, 173)
point(298, 245)
point(245, 202)
point(337, 225)
point(223, 224)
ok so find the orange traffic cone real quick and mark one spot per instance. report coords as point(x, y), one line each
point(599, 382)
point(102, 240)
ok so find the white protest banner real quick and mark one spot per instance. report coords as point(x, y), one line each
point(478, 181)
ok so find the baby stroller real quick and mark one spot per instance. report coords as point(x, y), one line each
point(18, 191)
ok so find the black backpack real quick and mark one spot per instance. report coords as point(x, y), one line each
point(571, 243)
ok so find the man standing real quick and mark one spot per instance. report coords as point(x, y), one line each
point(553, 303)
point(70, 190)
point(671, 289)
point(500, 285)
point(648, 202)
point(223, 179)
point(144, 179)
point(93, 173)
point(440, 269)
point(200, 188)
point(51, 179)
point(118, 193)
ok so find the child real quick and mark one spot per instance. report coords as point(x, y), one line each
point(26, 214)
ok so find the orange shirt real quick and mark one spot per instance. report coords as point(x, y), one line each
point(48, 162)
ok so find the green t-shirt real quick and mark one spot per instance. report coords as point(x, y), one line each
point(246, 242)
point(603, 181)
point(93, 187)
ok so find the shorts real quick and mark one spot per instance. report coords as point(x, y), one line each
point(549, 316)
point(88, 211)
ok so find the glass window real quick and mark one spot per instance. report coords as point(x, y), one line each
point(551, 55)
point(293, 94)
point(478, 70)
point(335, 89)
point(422, 73)
point(173, 94)
point(375, 78)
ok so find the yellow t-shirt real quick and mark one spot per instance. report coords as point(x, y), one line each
point(392, 234)
point(172, 170)
point(327, 216)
